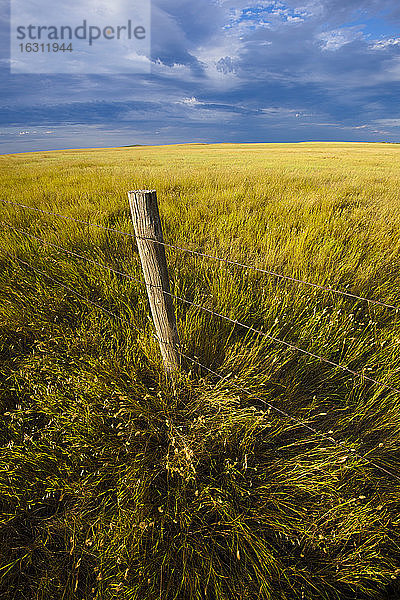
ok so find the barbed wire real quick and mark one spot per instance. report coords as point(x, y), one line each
point(221, 316)
point(270, 406)
point(82, 256)
point(212, 257)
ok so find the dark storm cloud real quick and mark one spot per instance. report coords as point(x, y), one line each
point(240, 71)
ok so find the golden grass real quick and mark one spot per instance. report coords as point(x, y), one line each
point(115, 484)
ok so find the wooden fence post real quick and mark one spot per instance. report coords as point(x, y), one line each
point(147, 224)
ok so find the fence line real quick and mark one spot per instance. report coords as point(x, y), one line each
point(210, 256)
point(270, 406)
point(224, 317)
point(90, 260)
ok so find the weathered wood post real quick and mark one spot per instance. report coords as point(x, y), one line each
point(147, 224)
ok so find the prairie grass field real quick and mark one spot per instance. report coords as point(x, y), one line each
point(117, 483)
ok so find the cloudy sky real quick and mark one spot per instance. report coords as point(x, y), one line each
point(219, 71)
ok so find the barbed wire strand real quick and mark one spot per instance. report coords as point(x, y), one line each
point(82, 256)
point(221, 316)
point(212, 257)
point(270, 406)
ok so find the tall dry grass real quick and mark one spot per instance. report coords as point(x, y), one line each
point(115, 483)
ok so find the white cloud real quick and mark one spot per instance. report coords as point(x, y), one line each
point(386, 43)
point(337, 38)
point(274, 111)
point(294, 19)
point(190, 101)
point(99, 36)
point(388, 122)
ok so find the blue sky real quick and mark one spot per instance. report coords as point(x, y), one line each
point(223, 71)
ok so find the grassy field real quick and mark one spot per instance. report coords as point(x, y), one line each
point(116, 483)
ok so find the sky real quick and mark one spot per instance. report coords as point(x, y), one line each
point(215, 71)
